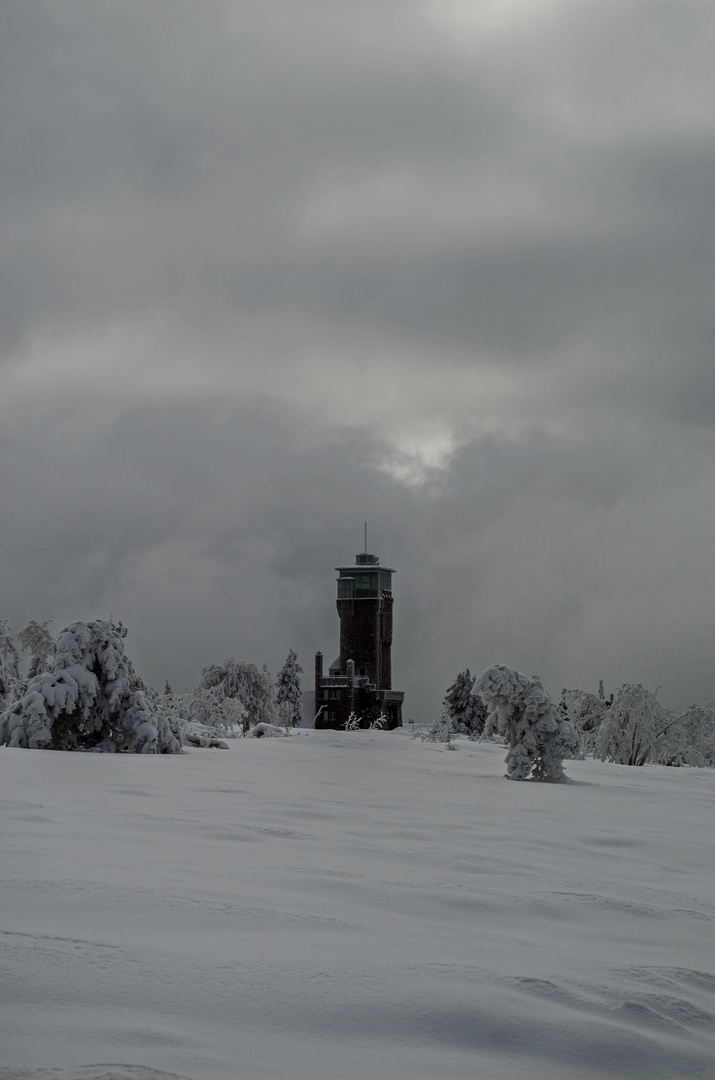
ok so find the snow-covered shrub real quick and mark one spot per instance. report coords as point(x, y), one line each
point(244, 682)
point(288, 691)
point(353, 722)
point(467, 710)
point(637, 729)
point(90, 698)
point(536, 734)
point(205, 739)
point(586, 713)
point(439, 729)
point(270, 731)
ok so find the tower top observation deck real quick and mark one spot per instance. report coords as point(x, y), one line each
point(365, 579)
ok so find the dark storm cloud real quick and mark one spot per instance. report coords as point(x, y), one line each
point(160, 158)
point(267, 270)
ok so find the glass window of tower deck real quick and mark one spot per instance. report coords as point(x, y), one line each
point(366, 580)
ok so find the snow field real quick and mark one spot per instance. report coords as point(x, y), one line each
point(336, 906)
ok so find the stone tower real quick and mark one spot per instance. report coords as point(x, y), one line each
point(360, 680)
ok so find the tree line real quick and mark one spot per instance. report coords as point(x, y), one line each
point(81, 692)
point(631, 727)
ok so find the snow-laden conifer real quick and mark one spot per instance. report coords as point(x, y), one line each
point(536, 734)
point(289, 696)
point(37, 639)
point(466, 709)
point(90, 698)
point(11, 683)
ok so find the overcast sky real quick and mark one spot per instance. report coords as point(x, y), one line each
point(268, 270)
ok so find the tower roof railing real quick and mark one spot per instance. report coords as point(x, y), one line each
point(362, 562)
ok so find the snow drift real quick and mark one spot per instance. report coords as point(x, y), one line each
point(350, 905)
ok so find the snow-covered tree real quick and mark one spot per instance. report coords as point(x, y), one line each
point(466, 709)
point(36, 638)
point(637, 729)
point(90, 698)
point(536, 734)
point(11, 684)
point(698, 722)
point(206, 709)
point(586, 713)
point(288, 691)
point(228, 715)
point(253, 688)
point(353, 722)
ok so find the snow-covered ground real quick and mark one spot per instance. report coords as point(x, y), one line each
point(342, 906)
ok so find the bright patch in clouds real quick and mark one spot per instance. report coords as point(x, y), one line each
point(419, 459)
point(465, 17)
point(418, 407)
point(490, 203)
